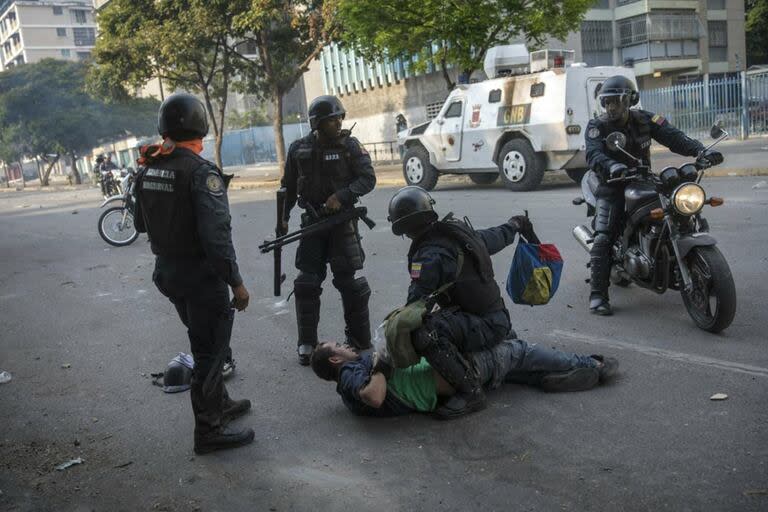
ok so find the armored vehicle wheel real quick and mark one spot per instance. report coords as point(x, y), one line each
point(519, 167)
point(485, 178)
point(576, 174)
point(417, 170)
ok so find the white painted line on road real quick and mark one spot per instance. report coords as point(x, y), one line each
point(667, 354)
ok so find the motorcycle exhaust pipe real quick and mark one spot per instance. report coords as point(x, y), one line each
point(584, 236)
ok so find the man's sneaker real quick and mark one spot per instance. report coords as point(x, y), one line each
point(608, 368)
point(578, 379)
point(305, 353)
point(599, 305)
point(233, 409)
point(222, 439)
point(460, 404)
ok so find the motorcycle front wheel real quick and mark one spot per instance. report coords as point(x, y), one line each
point(711, 302)
point(113, 230)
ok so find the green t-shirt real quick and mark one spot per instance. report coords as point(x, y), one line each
point(415, 386)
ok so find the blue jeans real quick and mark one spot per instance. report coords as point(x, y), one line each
point(520, 362)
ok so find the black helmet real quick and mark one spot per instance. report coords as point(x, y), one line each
point(178, 375)
point(324, 107)
point(622, 86)
point(410, 209)
point(182, 117)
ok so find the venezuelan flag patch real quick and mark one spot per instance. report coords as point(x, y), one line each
point(415, 270)
point(659, 120)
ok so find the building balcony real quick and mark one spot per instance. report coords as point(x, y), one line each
point(629, 8)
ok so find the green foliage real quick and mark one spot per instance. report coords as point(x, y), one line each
point(239, 120)
point(455, 32)
point(757, 32)
point(45, 109)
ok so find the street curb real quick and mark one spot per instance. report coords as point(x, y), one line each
point(390, 178)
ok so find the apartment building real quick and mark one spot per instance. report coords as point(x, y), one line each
point(34, 30)
point(665, 41)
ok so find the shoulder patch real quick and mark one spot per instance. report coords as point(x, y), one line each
point(659, 120)
point(593, 132)
point(415, 270)
point(214, 184)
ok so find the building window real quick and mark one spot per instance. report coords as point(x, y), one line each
point(65, 53)
point(84, 36)
point(61, 32)
point(57, 10)
point(601, 4)
point(718, 41)
point(625, 2)
point(715, 4)
point(659, 35)
point(79, 16)
point(597, 43)
point(83, 55)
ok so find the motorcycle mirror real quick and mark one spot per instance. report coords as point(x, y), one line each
point(616, 141)
point(717, 129)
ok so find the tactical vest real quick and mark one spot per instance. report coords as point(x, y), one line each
point(638, 133)
point(165, 191)
point(322, 169)
point(475, 290)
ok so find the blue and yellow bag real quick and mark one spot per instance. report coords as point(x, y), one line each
point(535, 272)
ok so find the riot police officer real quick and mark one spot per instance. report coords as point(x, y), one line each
point(472, 315)
point(616, 96)
point(326, 171)
point(182, 204)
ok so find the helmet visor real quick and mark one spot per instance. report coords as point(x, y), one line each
point(615, 103)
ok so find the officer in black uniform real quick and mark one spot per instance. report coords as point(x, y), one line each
point(182, 204)
point(472, 315)
point(616, 96)
point(327, 171)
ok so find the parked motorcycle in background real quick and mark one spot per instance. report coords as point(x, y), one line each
point(665, 241)
point(116, 225)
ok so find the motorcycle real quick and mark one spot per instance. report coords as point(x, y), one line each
point(109, 186)
point(116, 223)
point(665, 241)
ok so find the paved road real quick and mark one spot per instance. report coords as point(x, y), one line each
point(83, 327)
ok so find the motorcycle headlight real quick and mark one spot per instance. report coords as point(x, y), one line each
point(689, 198)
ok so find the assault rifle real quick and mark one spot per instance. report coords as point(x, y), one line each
point(318, 222)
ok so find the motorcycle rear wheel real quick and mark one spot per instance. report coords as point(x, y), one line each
point(711, 303)
point(112, 232)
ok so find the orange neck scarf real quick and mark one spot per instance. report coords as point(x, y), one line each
point(153, 152)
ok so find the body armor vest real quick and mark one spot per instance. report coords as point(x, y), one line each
point(165, 191)
point(475, 290)
point(322, 169)
point(638, 133)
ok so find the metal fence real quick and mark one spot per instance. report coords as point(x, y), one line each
point(739, 100)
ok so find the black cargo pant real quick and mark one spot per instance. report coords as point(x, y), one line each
point(469, 332)
point(202, 301)
point(609, 211)
point(340, 247)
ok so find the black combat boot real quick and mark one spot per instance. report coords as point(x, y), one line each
point(599, 304)
point(233, 409)
point(222, 438)
point(600, 266)
point(445, 358)
point(307, 318)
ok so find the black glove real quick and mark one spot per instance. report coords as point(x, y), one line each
point(617, 170)
point(522, 225)
point(709, 158)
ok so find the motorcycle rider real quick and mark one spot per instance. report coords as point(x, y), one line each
point(328, 169)
point(616, 96)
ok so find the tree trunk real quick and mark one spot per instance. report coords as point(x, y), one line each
point(277, 125)
point(75, 172)
point(45, 177)
point(448, 82)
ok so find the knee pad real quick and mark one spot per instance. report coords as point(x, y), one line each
point(355, 287)
point(307, 285)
